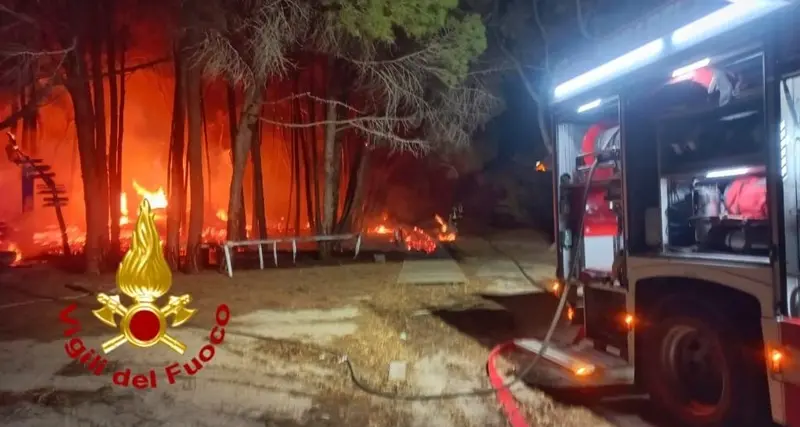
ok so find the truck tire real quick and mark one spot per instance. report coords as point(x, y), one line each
point(701, 368)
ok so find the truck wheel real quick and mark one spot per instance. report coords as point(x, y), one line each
point(699, 371)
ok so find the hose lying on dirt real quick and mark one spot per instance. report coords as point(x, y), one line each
point(505, 398)
point(498, 387)
point(504, 395)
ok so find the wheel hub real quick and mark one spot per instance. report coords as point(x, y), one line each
point(695, 366)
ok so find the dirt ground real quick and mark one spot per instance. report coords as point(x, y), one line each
point(281, 362)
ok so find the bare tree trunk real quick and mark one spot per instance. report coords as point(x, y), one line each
point(113, 135)
point(253, 96)
point(205, 146)
point(360, 200)
point(314, 147)
point(354, 199)
point(259, 211)
point(307, 177)
point(329, 161)
point(21, 130)
point(234, 126)
point(101, 142)
point(292, 143)
point(195, 160)
point(29, 122)
point(78, 87)
point(296, 182)
point(338, 160)
point(176, 177)
point(117, 178)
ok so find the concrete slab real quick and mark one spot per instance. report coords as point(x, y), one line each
point(431, 272)
point(314, 326)
point(506, 287)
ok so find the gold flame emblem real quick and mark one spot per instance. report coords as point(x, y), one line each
point(144, 276)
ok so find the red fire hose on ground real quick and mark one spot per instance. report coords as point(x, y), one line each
point(504, 395)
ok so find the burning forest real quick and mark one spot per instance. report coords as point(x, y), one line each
point(235, 119)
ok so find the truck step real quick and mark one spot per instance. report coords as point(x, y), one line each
point(578, 365)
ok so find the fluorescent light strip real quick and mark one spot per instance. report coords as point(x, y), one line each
point(688, 69)
point(590, 105)
point(726, 173)
point(613, 68)
point(724, 19)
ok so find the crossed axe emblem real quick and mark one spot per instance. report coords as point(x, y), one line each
point(143, 324)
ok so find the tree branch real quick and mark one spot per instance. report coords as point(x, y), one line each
point(535, 96)
point(31, 106)
point(581, 21)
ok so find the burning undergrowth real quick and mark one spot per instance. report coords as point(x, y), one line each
point(162, 114)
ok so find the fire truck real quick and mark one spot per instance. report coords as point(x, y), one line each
point(677, 179)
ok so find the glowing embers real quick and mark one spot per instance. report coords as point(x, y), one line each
point(414, 238)
point(446, 231)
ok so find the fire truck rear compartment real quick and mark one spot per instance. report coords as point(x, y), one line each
point(711, 163)
point(698, 157)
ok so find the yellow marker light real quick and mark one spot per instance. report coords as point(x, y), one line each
point(776, 360)
point(583, 370)
point(629, 320)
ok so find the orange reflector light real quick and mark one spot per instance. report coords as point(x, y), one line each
point(776, 360)
point(583, 370)
point(629, 321)
point(570, 313)
point(555, 287)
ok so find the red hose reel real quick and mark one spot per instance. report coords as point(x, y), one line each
point(599, 219)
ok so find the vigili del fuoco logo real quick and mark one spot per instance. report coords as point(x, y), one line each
point(144, 277)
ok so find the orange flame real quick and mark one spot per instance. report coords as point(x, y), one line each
point(413, 238)
point(123, 209)
point(157, 199)
point(222, 214)
point(12, 247)
point(445, 235)
point(382, 229)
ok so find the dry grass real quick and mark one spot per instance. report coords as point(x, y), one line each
point(396, 322)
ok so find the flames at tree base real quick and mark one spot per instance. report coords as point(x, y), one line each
point(406, 238)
